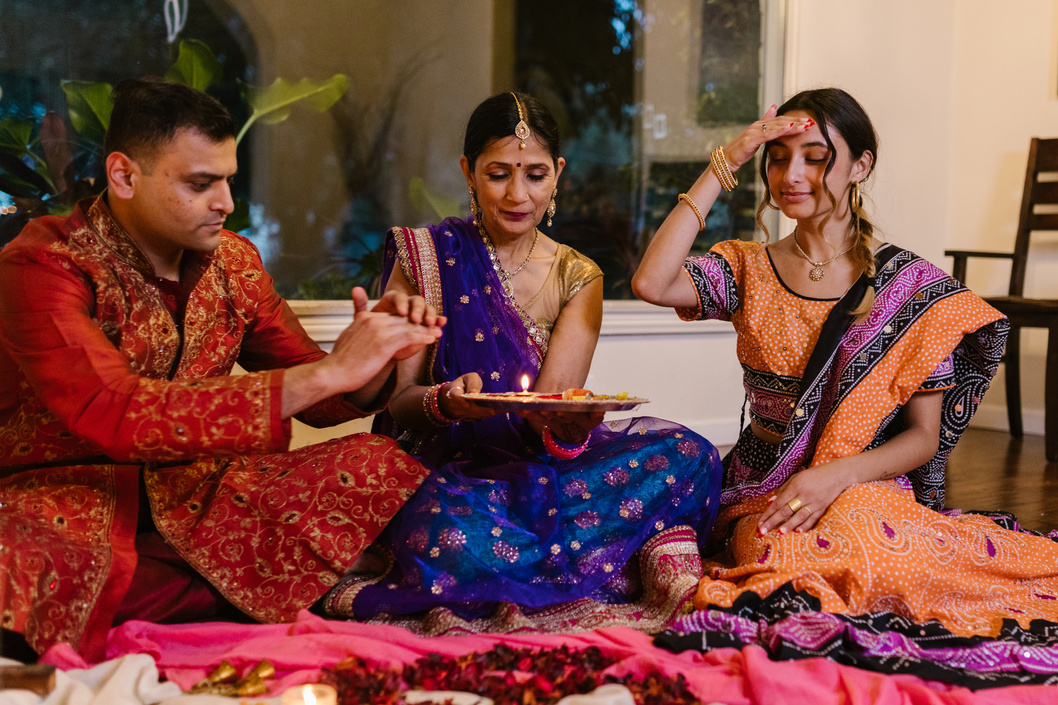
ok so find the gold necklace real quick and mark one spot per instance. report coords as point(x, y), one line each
point(816, 273)
point(505, 276)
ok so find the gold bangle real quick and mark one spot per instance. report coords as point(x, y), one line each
point(722, 170)
point(698, 213)
point(731, 179)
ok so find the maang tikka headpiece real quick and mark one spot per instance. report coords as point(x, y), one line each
point(521, 130)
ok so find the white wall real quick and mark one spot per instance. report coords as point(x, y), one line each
point(896, 59)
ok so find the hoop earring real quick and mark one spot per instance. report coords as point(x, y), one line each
point(473, 204)
point(856, 204)
point(551, 207)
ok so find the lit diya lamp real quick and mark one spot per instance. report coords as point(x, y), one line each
point(311, 694)
point(525, 388)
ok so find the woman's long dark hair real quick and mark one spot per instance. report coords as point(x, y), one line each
point(833, 108)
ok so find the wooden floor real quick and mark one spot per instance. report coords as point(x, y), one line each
point(993, 470)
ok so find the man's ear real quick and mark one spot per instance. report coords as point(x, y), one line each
point(122, 174)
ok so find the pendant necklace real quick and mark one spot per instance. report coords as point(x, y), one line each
point(505, 276)
point(816, 273)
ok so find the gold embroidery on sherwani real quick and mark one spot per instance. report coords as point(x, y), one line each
point(271, 531)
point(57, 507)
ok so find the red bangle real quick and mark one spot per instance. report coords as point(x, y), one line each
point(433, 409)
point(563, 451)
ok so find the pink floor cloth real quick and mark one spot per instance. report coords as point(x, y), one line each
point(186, 653)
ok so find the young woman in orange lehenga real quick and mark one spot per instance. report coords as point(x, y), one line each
point(863, 364)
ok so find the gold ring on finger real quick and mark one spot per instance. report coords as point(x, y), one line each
point(794, 504)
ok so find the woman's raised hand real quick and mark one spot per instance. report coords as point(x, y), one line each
point(455, 406)
point(740, 150)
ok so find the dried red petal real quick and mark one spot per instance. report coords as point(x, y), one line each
point(507, 676)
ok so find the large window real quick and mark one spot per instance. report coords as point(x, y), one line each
point(643, 91)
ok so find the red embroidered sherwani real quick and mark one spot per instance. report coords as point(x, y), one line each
point(98, 388)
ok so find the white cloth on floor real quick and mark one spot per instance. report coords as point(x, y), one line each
point(129, 680)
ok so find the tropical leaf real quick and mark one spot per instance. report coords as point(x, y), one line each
point(15, 135)
point(271, 104)
point(195, 65)
point(90, 106)
point(17, 179)
point(421, 196)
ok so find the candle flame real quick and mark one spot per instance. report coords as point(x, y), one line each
point(525, 383)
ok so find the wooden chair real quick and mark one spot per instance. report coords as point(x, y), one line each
point(1028, 312)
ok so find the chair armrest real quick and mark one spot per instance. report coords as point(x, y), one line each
point(958, 269)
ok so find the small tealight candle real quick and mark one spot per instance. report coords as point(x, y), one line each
point(525, 387)
point(310, 694)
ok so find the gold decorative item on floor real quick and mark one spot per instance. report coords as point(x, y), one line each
point(224, 680)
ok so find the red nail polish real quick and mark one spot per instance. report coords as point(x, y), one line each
point(791, 124)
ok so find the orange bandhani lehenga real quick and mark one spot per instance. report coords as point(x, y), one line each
point(888, 578)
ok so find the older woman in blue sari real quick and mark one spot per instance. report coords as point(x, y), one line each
point(547, 521)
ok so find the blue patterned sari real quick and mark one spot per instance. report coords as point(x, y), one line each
point(501, 521)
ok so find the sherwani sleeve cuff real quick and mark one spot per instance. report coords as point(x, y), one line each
point(281, 430)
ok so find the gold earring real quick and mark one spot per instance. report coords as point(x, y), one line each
point(551, 206)
point(473, 204)
point(856, 203)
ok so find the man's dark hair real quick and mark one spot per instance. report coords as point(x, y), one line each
point(149, 111)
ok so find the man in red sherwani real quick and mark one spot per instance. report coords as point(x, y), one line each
point(138, 477)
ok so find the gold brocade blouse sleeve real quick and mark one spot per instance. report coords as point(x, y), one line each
point(574, 272)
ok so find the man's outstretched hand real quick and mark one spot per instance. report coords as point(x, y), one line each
point(397, 327)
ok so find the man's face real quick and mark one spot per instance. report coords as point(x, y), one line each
point(182, 194)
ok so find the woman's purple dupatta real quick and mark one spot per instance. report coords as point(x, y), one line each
point(486, 333)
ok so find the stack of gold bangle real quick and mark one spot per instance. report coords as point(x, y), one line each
point(722, 170)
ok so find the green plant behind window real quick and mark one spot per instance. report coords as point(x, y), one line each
point(45, 170)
